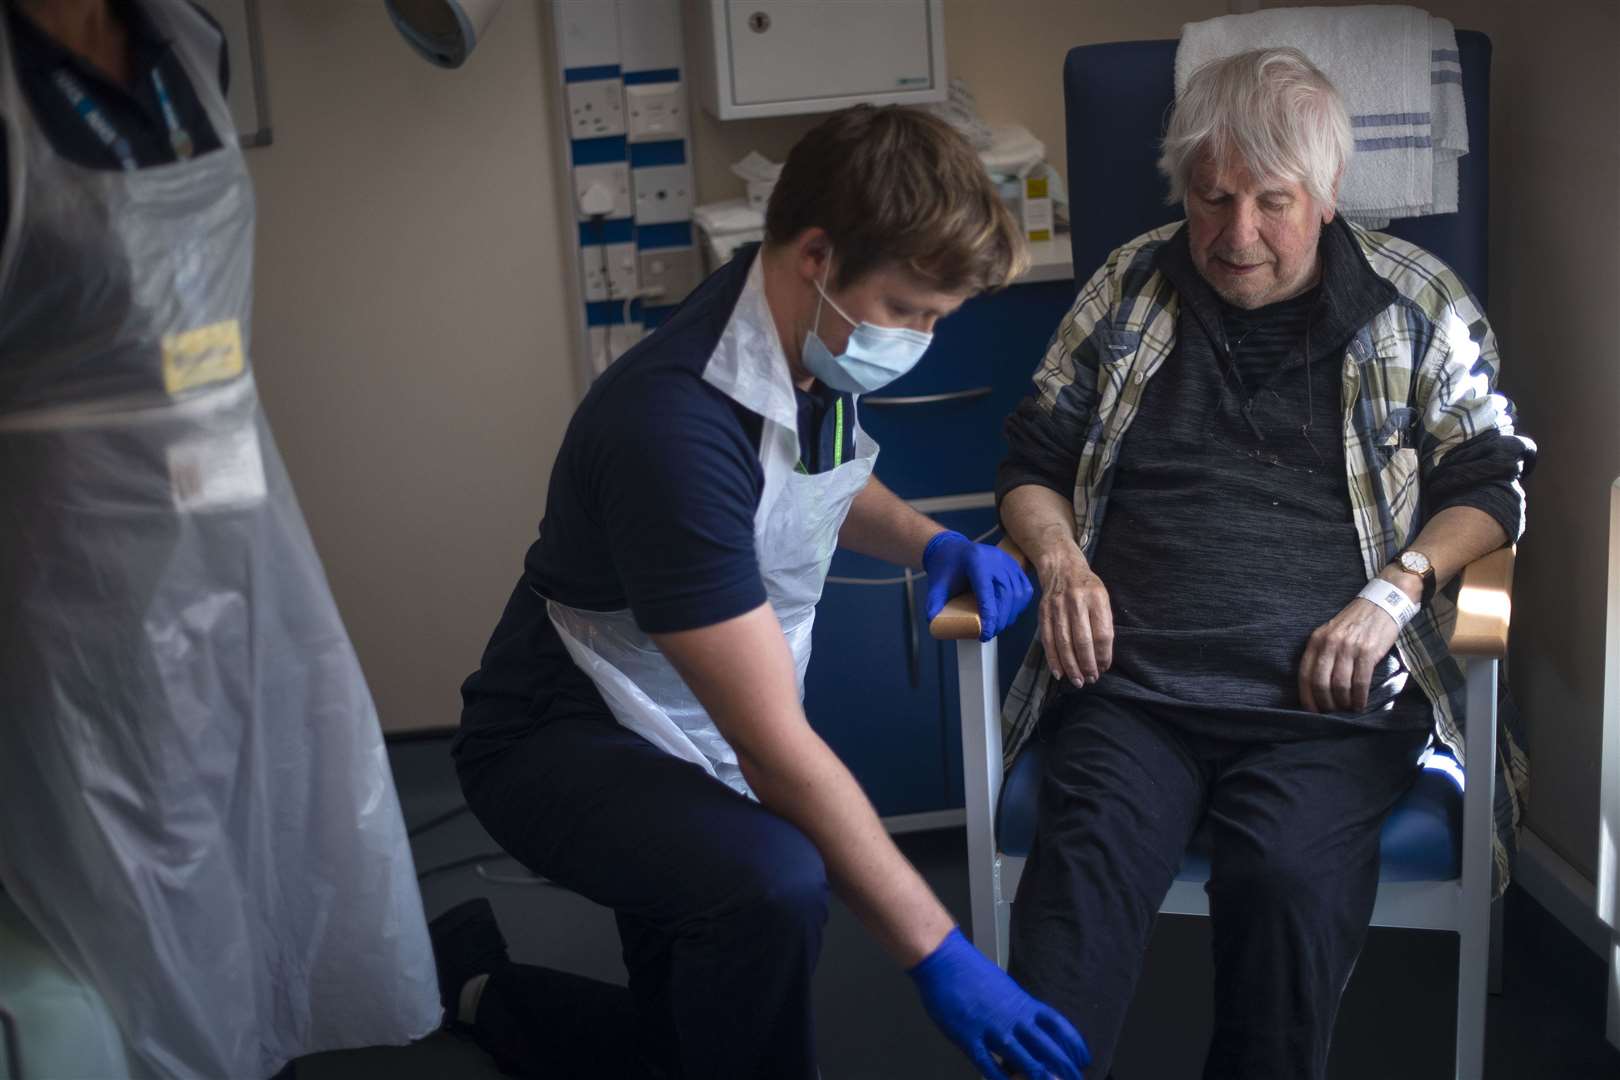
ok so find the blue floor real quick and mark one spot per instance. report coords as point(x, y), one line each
point(1397, 1021)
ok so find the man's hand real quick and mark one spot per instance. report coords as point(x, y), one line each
point(1077, 621)
point(1336, 672)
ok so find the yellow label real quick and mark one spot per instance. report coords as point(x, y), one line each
point(1035, 187)
point(208, 354)
point(1040, 236)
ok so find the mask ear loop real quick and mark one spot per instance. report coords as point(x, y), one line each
point(821, 294)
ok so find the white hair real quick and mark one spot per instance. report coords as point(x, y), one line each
point(1272, 111)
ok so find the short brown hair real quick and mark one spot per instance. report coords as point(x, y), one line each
point(896, 186)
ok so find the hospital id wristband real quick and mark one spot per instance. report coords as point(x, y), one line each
point(1394, 603)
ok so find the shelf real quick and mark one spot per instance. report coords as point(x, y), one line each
point(1050, 260)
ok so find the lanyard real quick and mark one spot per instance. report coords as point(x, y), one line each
point(79, 98)
point(838, 438)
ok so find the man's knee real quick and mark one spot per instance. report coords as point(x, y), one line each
point(1283, 878)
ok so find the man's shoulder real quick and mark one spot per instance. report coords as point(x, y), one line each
point(1426, 284)
point(1130, 268)
point(1135, 257)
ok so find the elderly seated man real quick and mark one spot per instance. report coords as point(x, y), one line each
point(1259, 443)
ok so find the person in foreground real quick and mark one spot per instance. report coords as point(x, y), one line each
point(1261, 444)
point(198, 824)
point(635, 731)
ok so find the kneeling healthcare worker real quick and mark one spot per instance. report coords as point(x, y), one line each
point(635, 731)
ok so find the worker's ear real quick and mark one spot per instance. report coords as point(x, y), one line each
point(812, 251)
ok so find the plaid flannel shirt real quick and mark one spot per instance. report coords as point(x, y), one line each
point(1419, 379)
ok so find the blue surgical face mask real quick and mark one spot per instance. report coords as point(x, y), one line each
point(874, 357)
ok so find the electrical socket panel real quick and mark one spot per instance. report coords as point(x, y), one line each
point(668, 275)
point(611, 272)
point(607, 343)
point(655, 111)
point(622, 337)
point(595, 109)
point(615, 175)
point(663, 194)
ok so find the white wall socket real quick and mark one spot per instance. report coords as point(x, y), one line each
point(622, 337)
point(655, 111)
point(669, 274)
point(663, 194)
point(595, 109)
point(610, 272)
point(615, 175)
point(607, 343)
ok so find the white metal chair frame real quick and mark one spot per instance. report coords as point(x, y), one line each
point(1608, 876)
point(1462, 906)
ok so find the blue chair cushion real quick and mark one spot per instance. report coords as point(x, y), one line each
point(1117, 97)
point(1421, 841)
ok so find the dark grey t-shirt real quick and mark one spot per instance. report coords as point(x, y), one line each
point(1229, 536)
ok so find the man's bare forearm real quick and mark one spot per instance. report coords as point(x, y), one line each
point(1452, 539)
point(1040, 522)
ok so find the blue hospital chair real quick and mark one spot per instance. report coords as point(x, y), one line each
point(1436, 845)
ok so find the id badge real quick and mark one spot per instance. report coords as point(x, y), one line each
point(219, 472)
point(200, 357)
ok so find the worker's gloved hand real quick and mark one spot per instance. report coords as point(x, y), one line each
point(984, 1012)
point(953, 563)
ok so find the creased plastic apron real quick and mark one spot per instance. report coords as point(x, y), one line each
point(795, 534)
point(196, 809)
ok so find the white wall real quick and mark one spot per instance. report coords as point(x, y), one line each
point(412, 328)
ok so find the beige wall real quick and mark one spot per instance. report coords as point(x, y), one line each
point(1555, 259)
point(1009, 51)
point(1555, 305)
point(414, 343)
point(411, 327)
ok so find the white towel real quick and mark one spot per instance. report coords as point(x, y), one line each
point(1396, 69)
point(1450, 113)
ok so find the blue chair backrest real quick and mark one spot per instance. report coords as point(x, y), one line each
point(1117, 99)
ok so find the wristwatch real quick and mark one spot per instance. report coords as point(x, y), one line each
point(1415, 562)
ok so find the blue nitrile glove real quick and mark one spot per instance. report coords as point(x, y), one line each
point(984, 1012)
point(954, 563)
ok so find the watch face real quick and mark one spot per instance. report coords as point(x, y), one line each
point(1415, 562)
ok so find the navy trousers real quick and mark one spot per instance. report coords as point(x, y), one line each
point(720, 903)
point(1293, 874)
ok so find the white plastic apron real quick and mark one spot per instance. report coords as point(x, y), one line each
point(795, 535)
point(196, 808)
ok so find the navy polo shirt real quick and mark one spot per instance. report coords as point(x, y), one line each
point(132, 110)
point(651, 507)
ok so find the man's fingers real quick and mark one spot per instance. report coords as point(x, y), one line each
point(1080, 643)
point(1102, 627)
point(1049, 636)
point(1344, 678)
point(1361, 680)
point(1307, 699)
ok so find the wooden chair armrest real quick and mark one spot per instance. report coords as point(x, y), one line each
point(1484, 607)
point(958, 620)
